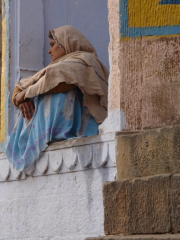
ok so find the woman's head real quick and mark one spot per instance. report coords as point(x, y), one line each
point(56, 51)
point(70, 39)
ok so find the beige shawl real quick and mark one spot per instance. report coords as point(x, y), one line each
point(80, 66)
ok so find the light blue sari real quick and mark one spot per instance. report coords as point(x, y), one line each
point(57, 117)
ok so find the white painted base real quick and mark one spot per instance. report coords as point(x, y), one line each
point(65, 206)
point(115, 122)
point(60, 196)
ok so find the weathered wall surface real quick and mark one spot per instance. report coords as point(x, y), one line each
point(56, 207)
point(5, 72)
point(116, 118)
point(60, 196)
point(142, 206)
point(145, 62)
point(148, 153)
point(150, 82)
point(114, 51)
point(145, 199)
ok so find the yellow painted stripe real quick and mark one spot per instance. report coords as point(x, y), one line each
point(3, 80)
point(144, 13)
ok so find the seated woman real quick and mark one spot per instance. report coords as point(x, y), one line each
point(67, 99)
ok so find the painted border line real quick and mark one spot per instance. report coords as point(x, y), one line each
point(5, 73)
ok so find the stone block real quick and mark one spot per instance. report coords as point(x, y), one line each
point(140, 206)
point(175, 186)
point(148, 153)
point(140, 237)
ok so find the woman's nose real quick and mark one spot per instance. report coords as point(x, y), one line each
point(49, 51)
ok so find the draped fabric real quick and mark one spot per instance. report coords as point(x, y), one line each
point(61, 116)
point(57, 117)
point(80, 66)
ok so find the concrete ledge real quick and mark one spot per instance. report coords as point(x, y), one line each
point(148, 153)
point(140, 237)
point(142, 206)
point(72, 155)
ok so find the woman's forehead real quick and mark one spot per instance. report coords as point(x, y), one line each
point(51, 40)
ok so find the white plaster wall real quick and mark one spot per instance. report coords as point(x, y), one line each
point(65, 206)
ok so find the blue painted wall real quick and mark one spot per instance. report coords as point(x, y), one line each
point(89, 16)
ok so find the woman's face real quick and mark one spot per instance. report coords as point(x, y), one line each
point(55, 50)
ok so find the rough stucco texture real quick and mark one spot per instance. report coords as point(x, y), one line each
point(114, 55)
point(57, 207)
point(150, 87)
point(142, 206)
point(145, 64)
point(151, 152)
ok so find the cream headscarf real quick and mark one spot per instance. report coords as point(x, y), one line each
point(80, 66)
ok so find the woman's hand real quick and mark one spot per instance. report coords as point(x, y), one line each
point(27, 109)
point(20, 97)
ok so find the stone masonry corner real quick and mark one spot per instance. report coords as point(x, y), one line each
point(142, 206)
point(148, 153)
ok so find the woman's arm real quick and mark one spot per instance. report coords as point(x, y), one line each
point(16, 91)
point(62, 87)
point(18, 94)
point(19, 98)
point(26, 107)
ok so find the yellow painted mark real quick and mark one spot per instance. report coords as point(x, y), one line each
point(149, 13)
point(150, 38)
point(3, 79)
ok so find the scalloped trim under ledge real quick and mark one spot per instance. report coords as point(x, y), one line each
point(72, 155)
